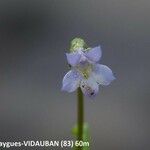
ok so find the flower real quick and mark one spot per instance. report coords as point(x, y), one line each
point(85, 72)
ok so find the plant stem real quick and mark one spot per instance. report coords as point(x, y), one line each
point(80, 120)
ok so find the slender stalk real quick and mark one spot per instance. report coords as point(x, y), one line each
point(80, 119)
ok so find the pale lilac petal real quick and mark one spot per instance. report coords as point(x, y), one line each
point(71, 81)
point(89, 87)
point(102, 74)
point(94, 54)
point(73, 58)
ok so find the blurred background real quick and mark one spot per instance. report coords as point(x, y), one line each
point(34, 36)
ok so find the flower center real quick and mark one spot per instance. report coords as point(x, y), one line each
point(85, 70)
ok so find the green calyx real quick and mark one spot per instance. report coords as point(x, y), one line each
point(77, 43)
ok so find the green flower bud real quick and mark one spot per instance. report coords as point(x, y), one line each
point(76, 44)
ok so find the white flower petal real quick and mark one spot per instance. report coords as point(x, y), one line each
point(89, 87)
point(94, 54)
point(102, 74)
point(73, 58)
point(71, 81)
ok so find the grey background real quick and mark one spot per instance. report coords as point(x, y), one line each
point(34, 36)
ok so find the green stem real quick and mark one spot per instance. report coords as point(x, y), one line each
point(80, 120)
